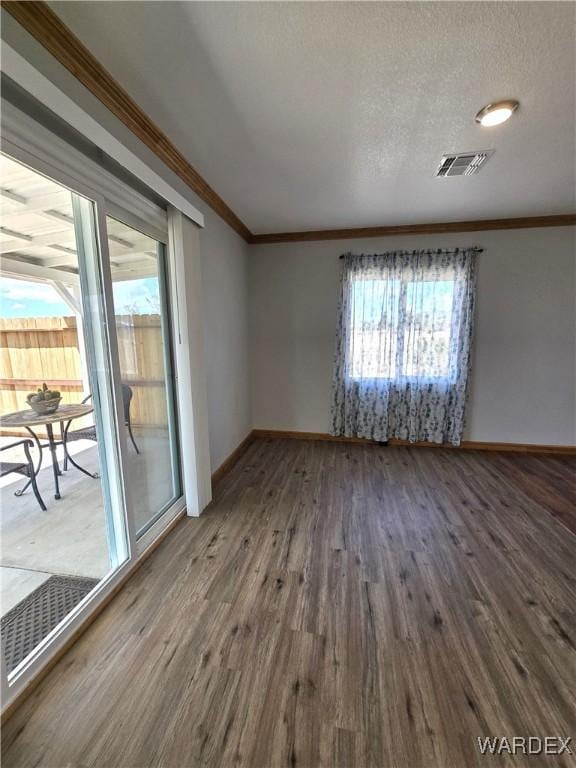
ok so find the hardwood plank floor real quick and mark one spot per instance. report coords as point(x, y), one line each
point(338, 605)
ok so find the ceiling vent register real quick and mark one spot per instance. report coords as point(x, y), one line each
point(464, 163)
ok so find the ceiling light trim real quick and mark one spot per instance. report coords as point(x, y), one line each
point(507, 106)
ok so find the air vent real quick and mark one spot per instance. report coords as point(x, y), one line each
point(463, 164)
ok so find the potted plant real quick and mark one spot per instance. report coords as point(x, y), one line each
point(44, 401)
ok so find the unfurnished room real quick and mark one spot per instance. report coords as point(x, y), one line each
point(288, 384)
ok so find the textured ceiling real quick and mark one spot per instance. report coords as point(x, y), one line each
point(322, 115)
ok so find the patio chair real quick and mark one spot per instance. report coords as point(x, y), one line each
point(89, 433)
point(25, 468)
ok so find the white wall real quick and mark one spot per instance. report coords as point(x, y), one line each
point(224, 266)
point(224, 280)
point(523, 387)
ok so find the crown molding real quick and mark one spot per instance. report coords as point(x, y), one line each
point(481, 225)
point(39, 20)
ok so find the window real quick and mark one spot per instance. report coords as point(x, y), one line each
point(401, 329)
point(404, 345)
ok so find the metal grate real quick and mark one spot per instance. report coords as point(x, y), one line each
point(463, 163)
point(28, 623)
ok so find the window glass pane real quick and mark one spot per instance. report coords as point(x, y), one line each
point(138, 266)
point(373, 341)
point(401, 329)
point(426, 329)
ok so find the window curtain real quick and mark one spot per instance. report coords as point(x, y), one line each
point(403, 350)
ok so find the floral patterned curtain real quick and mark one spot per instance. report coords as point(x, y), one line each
point(403, 348)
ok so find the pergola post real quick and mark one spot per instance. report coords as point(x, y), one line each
point(73, 299)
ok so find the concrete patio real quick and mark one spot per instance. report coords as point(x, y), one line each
point(69, 538)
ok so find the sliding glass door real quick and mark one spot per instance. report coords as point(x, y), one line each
point(142, 324)
point(89, 459)
point(63, 518)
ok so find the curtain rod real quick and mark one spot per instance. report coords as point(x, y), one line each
point(423, 250)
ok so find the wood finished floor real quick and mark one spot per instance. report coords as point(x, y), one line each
point(338, 605)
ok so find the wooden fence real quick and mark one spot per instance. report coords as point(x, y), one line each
point(45, 349)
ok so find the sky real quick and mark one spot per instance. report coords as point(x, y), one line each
point(373, 300)
point(19, 298)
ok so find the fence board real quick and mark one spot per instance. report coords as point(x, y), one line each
point(45, 349)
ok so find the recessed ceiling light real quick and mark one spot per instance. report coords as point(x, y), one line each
point(494, 114)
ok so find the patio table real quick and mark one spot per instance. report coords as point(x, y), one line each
point(29, 419)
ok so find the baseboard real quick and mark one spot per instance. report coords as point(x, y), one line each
point(465, 445)
point(228, 463)
point(51, 663)
point(561, 450)
point(287, 434)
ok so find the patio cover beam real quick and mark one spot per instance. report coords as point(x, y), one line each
point(35, 273)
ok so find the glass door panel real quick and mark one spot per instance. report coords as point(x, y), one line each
point(62, 524)
point(138, 268)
